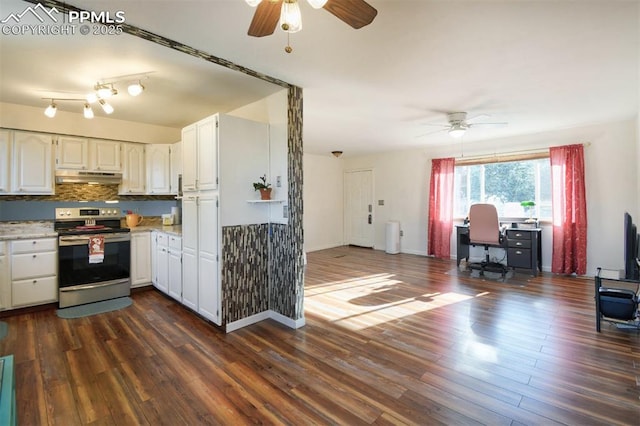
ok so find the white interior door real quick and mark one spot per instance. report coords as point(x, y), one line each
point(359, 208)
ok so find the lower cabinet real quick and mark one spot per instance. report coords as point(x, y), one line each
point(140, 258)
point(34, 271)
point(167, 264)
point(5, 282)
point(175, 267)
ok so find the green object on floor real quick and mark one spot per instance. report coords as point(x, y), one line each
point(94, 308)
point(4, 328)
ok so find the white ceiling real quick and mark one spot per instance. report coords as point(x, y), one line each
point(539, 65)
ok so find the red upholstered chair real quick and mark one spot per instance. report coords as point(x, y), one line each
point(484, 230)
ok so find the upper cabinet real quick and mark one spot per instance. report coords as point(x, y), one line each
point(72, 153)
point(176, 166)
point(4, 161)
point(199, 155)
point(158, 169)
point(133, 171)
point(104, 156)
point(32, 165)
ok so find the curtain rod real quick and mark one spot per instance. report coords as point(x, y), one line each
point(531, 152)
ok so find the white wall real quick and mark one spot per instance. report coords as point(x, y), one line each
point(323, 190)
point(402, 180)
point(22, 117)
point(273, 110)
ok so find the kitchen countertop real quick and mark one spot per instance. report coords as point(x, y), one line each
point(173, 229)
point(44, 229)
point(26, 230)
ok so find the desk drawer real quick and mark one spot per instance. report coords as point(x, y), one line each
point(515, 234)
point(519, 258)
point(519, 243)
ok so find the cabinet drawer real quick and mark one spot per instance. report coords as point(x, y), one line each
point(34, 291)
point(515, 234)
point(162, 239)
point(175, 242)
point(519, 258)
point(37, 244)
point(519, 243)
point(33, 265)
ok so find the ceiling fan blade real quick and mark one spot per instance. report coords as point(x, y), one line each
point(495, 125)
point(478, 117)
point(356, 13)
point(265, 19)
point(431, 133)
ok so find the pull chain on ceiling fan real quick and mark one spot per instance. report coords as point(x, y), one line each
point(356, 13)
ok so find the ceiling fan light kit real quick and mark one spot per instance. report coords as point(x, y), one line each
point(459, 124)
point(286, 13)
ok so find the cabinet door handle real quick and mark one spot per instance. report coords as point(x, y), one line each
point(518, 252)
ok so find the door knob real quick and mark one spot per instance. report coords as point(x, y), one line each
point(369, 220)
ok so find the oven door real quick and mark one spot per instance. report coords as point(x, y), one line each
point(73, 260)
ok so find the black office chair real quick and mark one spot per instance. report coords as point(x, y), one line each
point(484, 230)
point(617, 305)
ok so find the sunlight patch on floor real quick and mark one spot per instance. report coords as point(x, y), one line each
point(371, 300)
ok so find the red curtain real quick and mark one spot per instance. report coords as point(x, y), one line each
point(569, 210)
point(441, 207)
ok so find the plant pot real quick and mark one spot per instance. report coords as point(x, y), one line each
point(265, 194)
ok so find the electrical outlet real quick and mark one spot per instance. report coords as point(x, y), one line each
point(401, 233)
point(278, 181)
point(285, 211)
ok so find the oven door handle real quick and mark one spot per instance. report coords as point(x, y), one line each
point(78, 240)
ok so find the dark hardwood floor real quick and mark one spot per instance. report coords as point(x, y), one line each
point(390, 339)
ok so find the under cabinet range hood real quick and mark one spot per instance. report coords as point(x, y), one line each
point(81, 176)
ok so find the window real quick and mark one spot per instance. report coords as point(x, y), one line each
point(505, 184)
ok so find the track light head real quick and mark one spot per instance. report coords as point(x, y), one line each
point(135, 89)
point(51, 109)
point(106, 107)
point(87, 111)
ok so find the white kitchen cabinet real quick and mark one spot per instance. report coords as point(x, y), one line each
point(5, 282)
point(161, 268)
point(176, 166)
point(140, 258)
point(32, 164)
point(5, 161)
point(105, 156)
point(158, 160)
point(190, 252)
point(175, 267)
point(200, 272)
point(72, 153)
point(209, 303)
point(34, 265)
point(133, 170)
point(200, 155)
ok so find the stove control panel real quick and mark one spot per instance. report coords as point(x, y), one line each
point(87, 213)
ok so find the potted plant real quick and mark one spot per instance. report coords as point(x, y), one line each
point(529, 205)
point(263, 187)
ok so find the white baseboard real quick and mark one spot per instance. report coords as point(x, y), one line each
point(253, 319)
point(236, 325)
point(291, 323)
point(323, 247)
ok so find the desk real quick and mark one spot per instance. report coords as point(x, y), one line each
point(523, 246)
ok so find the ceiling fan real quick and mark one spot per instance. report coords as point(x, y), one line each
point(459, 124)
point(356, 13)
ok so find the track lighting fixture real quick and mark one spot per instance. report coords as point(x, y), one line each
point(88, 112)
point(51, 110)
point(106, 107)
point(102, 91)
point(135, 89)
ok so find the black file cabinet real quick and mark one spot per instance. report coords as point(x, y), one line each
point(524, 250)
